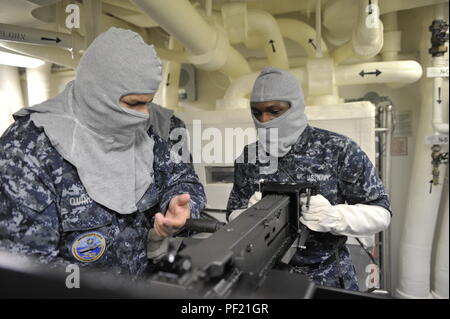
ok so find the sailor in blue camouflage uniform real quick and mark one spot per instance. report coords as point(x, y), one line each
point(83, 174)
point(352, 200)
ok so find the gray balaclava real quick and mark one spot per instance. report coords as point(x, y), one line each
point(108, 144)
point(275, 84)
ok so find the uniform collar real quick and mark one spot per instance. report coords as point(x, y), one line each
point(302, 139)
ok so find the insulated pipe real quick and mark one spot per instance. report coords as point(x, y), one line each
point(414, 269)
point(12, 33)
point(257, 29)
point(54, 55)
point(419, 225)
point(440, 283)
point(440, 98)
point(386, 234)
point(367, 36)
point(378, 72)
point(392, 37)
point(236, 95)
point(303, 34)
point(209, 46)
point(263, 31)
point(358, 74)
point(259, 63)
point(392, 40)
point(171, 78)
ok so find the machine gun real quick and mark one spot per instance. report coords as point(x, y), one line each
point(239, 259)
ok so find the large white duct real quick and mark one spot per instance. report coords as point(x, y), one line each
point(440, 283)
point(38, 84)
point(10, 95)
point(209, 45)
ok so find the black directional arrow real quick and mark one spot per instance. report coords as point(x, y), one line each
point(370, 6)
point(168, 80)
point(312, 43)
point(273, 46)
point(439, 98)
point(57, 40)
point(377, 73)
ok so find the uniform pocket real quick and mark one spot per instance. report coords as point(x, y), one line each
point(84, 216)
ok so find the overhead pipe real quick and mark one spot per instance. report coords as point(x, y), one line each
point(93, 17)
point(273, 7)
point(263, 31)
point(171, 78)
point(236, 95)
point(54, 55)
point(294, 62)
point(392, 40)
point(303, 34)
point(405, 72)
point(367, 36)
point(208, 44)
point(340, 16)
point(321, 79)
point(392, 37)
point(256, 29)
point(12, 33)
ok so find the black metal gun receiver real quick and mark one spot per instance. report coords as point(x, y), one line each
point(236, 259)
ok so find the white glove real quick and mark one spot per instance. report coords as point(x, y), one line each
point(256, 197)
point(348, 220)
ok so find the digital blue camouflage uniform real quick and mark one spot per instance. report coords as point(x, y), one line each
point(344, 174)
point(45, 209)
